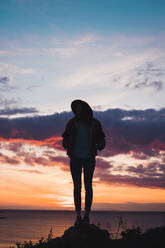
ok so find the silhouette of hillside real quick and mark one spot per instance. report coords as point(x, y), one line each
point(92, 236)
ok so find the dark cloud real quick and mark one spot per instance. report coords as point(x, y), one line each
point(136, 181)
point(4, 84)
point(140, 169)
point(151, 175)
point(14, 111)
point(35, 128)
point(63, 162)
point(13, 160)
point(131, 206)
point(4, 80)
point(154, 169)
point(103, 164)
point(161, 167)
point(146, 154)
point(158, 85)
point(60, 159)
point(137, 133)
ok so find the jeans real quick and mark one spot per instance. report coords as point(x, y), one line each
point(88, 165)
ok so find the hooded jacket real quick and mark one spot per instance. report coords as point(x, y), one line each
point(85, 116)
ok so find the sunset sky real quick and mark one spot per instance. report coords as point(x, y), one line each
point(110, 53)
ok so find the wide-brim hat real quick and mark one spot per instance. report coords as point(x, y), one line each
point(84, 104)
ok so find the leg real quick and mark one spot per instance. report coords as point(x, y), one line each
point(76, 170)
point(89, 166)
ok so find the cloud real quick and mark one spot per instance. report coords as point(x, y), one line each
point(106, 61)
point(148, 75)
point(126, 130)
point(103, 164)
point(149, 175)
point(34, 128)
point(84, 40)
point(158, 85)
point(125, 180)
point(8, 73)
point(6, 102)
point(130, 206)
point(69, 48)
point(32, 171)
point(10, 68)
point(14, 111)
point(139, 134)
point(13, 160)
point(4, 84)
point(119, 60)
point(112, 61)
point(153, 169)
point(4, 80)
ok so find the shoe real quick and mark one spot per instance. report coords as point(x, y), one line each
point(86, 219)
point(78, 220)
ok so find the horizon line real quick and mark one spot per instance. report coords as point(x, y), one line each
point(113, 210)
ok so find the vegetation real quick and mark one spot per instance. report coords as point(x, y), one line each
point(92, 236)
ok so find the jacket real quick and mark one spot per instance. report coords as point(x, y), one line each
point(97, 137)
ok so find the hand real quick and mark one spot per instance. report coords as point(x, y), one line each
point(100, 146)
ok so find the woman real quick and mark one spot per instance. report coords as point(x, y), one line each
point(82, 137)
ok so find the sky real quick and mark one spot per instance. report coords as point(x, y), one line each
point(110, 53)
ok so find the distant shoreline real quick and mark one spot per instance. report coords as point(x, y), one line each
point(61, 210)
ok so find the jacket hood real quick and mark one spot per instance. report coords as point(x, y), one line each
point(86, 112)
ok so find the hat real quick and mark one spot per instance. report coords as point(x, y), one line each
point(85, 106)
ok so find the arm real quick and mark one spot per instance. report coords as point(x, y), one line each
point(100, 137)
point(67, 133)
point(64, 141)
point(65, 136)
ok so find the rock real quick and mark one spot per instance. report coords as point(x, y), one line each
point(82, 236)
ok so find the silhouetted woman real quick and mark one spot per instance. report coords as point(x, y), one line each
point(82, 137)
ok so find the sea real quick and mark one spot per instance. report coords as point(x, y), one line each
point(25, 225)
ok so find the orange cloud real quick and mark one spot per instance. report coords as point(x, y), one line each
point(52, 141)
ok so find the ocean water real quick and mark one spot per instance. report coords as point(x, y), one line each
point(21, 225)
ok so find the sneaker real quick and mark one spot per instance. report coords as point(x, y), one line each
point(78, 220)
point(86, 219)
